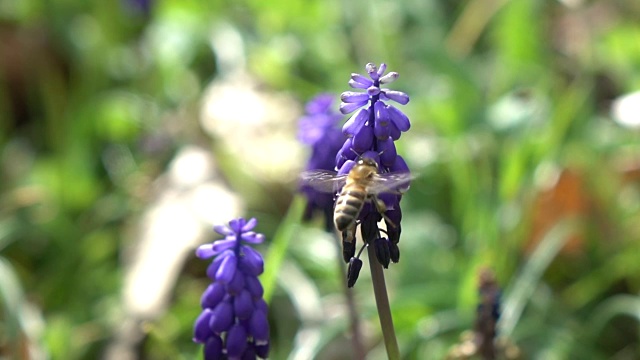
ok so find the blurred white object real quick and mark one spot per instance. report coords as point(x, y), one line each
point(625, 110)
point(191, 199)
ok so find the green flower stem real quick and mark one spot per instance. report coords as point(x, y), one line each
point(384, 310)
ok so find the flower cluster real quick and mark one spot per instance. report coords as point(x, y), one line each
point(318, 128)
point(233, 323)
point(371, 133)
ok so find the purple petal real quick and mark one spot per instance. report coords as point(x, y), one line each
point(346, 167)
point(243, 305)
point(372, 70)
point(319, 104)
point(201, 329)
point(250, 224)
point(252, 260)
point(355, 122)
point(394, 132)
point(354, 97)
point(237, 224)
point(400, 165)
point(397, 96)
point(259, 326)
point(253, 285)
point(357, 85)
point(222, 245)
point(399, 118)
point(381, 115)
point(363, 140)
point(213, 348)
point(221, 317)
point(346, 108)
point(361, 80)
point(373, 90)
point(236, 284)
point(212, 295)
point(388, 152)
point(215, 264)
point(382, 69)
point(389, 78)
point(205, 251)
point(236, 341)
point(381, 131)
point(227, 269)
point(252, 237)
point(223, 230)
point(261, 305)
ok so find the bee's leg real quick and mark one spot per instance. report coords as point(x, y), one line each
point(381, 207)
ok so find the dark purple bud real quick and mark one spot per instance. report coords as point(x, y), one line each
point(259, 326)
point(221, 317)
point(236, 284)
point(369, 226)
point(252, 262)
point(249, 352)
point(212, 295)
point(262, 350)
point(353, 271)
point(348, 246)
point(397, 96)
point(388, 152)
point(345, 153)
point(399, 118)
point(213, 348)
point(361, 80)
point(243, 305)
point(355, 122)
point(381, 247)
point(394, 252)
point(227, 268)
point(354, 97)
point(236, 341)
point(346, 108)
point(372, 70)
point(201, 329)
point(363, 140)
point(254, 286)
point(389, 78)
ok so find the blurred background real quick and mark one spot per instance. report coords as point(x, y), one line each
point(128, 128)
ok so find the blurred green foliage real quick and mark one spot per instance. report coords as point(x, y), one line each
point(522, 168)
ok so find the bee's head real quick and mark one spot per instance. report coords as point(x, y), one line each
point(368, 162)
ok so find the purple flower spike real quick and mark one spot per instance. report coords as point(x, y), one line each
point(228, 304)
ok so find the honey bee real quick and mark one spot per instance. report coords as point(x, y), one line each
point(362, 184)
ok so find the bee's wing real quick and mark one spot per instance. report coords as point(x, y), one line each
point(394, 183)
point(323, 180)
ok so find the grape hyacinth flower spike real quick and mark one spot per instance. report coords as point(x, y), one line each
point(233, 322)
point(319, 130)
point(371, 133)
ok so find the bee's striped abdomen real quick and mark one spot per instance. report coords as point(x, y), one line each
point(348, 205)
